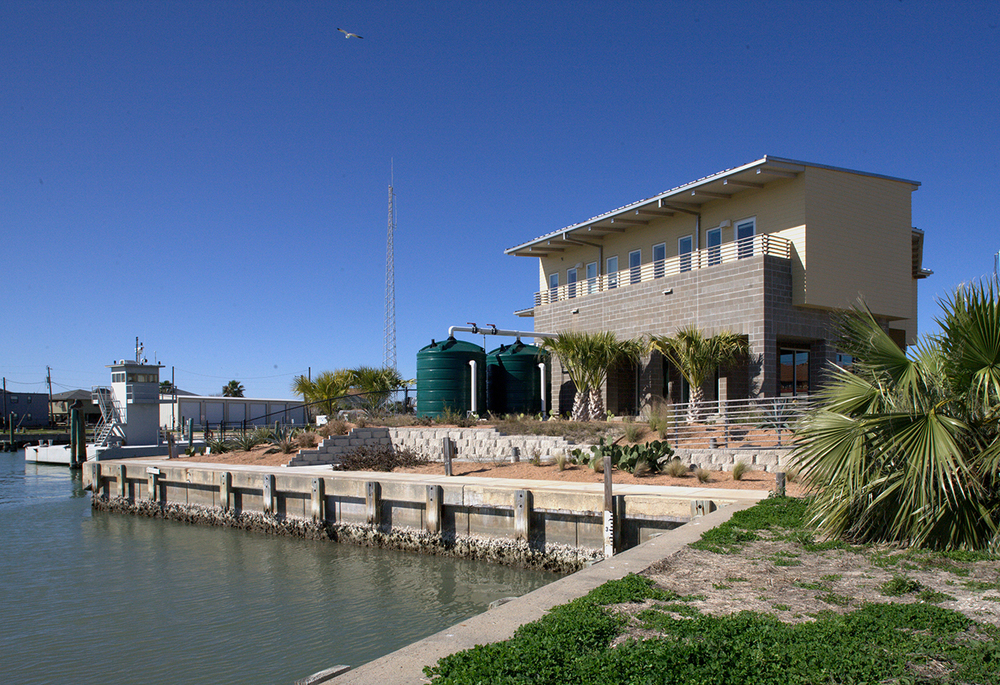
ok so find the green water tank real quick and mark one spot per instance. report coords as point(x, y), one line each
point(515, 382)
point(444, 378)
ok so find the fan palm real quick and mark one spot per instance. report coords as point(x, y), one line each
point(906, 448)
point(325, 391)
point(232, 389)
point(376, 385)
point(697, 358)
point(587, 357)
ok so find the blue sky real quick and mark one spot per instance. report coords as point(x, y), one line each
point(212, 176)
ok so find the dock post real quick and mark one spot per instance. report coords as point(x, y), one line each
point(74, 449)
point(435, 499)
point(122, 484)
point(318, 500)
point(522, 514)
point(81, 440)
point(609, 512)
point(151, 486)
point(448, 445)
point(269, 494)
point(191, 435)
point(226, 491)
point(373, 502)
point(779, 483)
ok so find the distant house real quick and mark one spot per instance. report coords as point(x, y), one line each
point(771, 250)
point(25, 409)
point(62, 402)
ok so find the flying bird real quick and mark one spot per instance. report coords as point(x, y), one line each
point(347, 34)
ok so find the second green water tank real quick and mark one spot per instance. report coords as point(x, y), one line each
point(515, 381)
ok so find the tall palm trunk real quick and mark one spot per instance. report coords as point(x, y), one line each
point(581, 406)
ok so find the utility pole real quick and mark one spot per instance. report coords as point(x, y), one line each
point(48, 378)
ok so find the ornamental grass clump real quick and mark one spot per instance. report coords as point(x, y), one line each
point(905, 446)
point(739, 470)
point(676, 468)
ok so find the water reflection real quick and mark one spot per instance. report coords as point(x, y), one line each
point(95, 596)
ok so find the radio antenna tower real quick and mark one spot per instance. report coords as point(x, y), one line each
point(389, 356)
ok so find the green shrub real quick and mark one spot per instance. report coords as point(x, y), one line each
point(284, 438)
point(898, 586)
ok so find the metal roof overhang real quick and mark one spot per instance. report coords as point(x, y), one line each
point(685, 199)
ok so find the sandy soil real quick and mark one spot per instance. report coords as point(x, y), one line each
point(781, 578)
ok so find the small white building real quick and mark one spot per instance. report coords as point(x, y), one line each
point(175, 411)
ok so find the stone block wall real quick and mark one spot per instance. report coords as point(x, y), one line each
point(471, 444)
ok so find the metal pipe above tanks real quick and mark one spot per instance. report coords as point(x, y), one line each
point(493, 330)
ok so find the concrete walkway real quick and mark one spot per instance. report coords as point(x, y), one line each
point(665, 491)
point(405, 666)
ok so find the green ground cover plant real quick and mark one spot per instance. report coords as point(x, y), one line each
point(894, 643)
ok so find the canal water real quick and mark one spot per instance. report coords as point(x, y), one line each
point(92, 597)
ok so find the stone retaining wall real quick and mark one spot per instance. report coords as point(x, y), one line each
point(471, 444)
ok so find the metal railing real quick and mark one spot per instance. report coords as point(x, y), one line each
point(756, 423)
point(763, 244)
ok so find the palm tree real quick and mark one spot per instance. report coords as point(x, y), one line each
point(326, 390)
point(697, 358)
point(232, 389)
point(587, 357)
point(376, 385)
point(167, 388)
point(906, 448)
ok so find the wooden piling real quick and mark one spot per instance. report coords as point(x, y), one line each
point(435, 503)
point(373, 502)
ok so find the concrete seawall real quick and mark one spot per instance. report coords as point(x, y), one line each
point(537, 524)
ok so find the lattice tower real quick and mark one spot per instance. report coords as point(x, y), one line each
point(389, 356)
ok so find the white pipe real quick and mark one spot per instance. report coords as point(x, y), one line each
point(491, 330)
point(475, 405)
point(541, 368)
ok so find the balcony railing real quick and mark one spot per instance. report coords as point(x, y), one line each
point(763, 244)
point(757, 423)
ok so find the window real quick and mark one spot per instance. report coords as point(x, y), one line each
point(744, 238)
point(635, 266)
point(659, 259)
point(612, 272)
point(13, 399)
point(592, 277)
point(714, 246)
point(29, 399)
point(571, 282)
point(685, 246)
point(553, 287)
point(793, 372)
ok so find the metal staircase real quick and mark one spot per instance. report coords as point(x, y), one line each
point(111, 423)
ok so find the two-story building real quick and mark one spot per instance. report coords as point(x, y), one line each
point(771, 250)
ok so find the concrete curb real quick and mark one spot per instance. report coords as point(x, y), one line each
point(405, 666)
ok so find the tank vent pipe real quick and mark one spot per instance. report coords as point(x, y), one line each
point(475, 404)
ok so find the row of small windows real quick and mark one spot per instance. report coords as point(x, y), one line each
point(119, 377)
point(685, 246)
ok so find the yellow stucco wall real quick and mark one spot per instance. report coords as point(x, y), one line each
point(858, 242)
